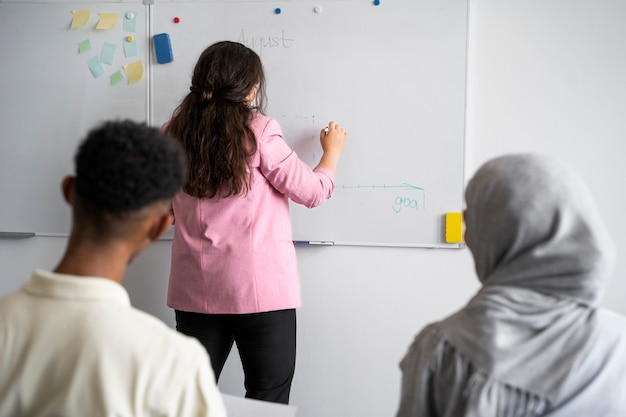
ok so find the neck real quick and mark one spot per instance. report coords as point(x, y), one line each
point(87, 258)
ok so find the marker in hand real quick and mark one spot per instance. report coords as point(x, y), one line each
point(333, 139)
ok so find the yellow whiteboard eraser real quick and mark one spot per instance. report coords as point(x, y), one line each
point(454, 227)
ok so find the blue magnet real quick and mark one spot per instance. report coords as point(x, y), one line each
point(376, 2)
point(163, 48)
point(277, 10)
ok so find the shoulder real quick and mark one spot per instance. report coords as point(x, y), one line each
point(264, 126)
point(156, 328)
point(438, 379)
point(272, 148)
point(611, 332)
point(7, 301)
point(599, 369)
point(612, 320)
point(14, 313)
point(422, 351)
point(145, 338)
point(430, 336)
point(179, 369)
point(153, 340)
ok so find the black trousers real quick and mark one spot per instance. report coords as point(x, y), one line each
point(266, 343)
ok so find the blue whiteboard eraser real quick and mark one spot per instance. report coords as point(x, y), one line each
point(163, 48)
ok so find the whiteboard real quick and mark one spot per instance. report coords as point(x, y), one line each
point(49, 99)
point(393, 75)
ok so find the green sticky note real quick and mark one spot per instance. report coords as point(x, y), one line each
point(84, 46)
point(107, 56)
point(116, 77)
point(95, 66)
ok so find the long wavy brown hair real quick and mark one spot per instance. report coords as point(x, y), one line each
point(212, 121)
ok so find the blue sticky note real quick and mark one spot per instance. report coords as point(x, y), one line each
point(130, 21)
point(130, 48)
point(107, 56)
point(163, 48)
point(95, 66)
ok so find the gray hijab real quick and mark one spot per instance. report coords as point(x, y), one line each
point(544, 257)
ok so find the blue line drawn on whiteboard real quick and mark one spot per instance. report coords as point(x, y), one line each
point(412, 201)
point(403, 186)
point(399, 199)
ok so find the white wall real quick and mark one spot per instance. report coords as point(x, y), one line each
point(550, 76)
point(544, 75)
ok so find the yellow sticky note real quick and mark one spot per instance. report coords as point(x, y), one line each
point(454, 227)
point(107, 21)
point(80, 18)
point(134, 71)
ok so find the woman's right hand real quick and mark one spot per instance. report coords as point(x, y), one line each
point(333, 139)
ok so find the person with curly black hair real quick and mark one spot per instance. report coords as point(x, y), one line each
point(70, 342)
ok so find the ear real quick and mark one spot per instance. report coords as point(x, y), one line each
point(159, 225)
point(67, 188)
point(251, 95)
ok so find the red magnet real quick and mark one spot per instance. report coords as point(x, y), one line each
point(177, 20)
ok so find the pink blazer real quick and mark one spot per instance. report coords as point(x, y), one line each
point(235, 255)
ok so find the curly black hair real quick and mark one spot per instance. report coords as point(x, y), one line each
point(124, 166)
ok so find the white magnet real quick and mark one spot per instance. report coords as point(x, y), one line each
point(317, 9)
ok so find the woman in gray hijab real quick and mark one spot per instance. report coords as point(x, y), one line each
point(532, 341)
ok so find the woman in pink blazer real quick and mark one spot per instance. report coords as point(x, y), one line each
point(233, 273)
